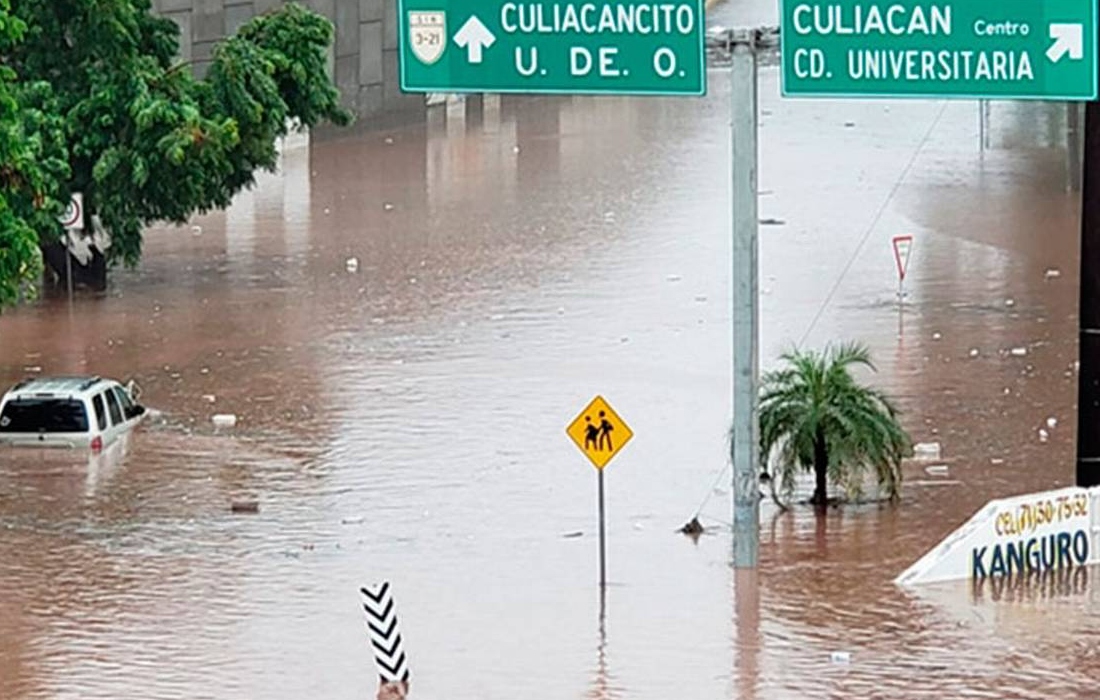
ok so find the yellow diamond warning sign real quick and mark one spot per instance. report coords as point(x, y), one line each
point(599, 432)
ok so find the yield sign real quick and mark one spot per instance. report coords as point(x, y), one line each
point(903, 246)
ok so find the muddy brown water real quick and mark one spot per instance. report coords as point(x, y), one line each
point(405, 420)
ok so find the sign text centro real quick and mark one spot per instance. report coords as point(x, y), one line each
point(977, 49)
point(579, 46)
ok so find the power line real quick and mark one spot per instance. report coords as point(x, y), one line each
point(874, 224)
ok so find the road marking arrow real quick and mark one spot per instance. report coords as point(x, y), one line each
point(1068, 39)
point(474, 36)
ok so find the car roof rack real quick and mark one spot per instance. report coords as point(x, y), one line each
point(90, 383)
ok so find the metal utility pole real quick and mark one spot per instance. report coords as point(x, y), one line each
point(745, 445)
point(1088, 377)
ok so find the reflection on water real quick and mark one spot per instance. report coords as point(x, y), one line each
point(1033, 586)
point(403, 417)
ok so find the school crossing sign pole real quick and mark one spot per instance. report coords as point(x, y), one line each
point(621, 47)
point(600, 434)
point(977, 49)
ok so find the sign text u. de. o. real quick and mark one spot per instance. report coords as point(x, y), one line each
point(593, 46)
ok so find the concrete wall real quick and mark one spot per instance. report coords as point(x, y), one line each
point(364, 59)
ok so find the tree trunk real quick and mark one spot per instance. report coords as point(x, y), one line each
point(821, 473)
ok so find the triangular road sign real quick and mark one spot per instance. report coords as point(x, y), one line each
point(903, 246)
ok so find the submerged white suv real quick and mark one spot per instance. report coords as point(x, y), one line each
point(75, 412)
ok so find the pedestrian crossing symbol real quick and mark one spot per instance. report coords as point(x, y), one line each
point(599, 432)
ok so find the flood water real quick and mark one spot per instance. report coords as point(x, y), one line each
point(404, 420)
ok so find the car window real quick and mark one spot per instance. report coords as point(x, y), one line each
point(112, 406)
point(100, 411)
point(123, 398)
point(44, 415)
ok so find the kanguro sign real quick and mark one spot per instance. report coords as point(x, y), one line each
point(653, 47)
point(978, 49)
point(1015, 537)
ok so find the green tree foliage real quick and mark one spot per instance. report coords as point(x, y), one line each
point(815, 417)
point(140, 136)
point(32, 165)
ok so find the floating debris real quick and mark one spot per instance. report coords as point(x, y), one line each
point(927, 450)
point(245, 507)
point(224, 420)
point(692, 528)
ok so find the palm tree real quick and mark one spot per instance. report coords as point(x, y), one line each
point(815, 416)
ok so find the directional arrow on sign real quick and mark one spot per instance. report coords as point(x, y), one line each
point(474, 36)
point(1068, 39)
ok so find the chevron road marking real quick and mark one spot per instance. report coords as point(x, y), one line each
point(385, 636)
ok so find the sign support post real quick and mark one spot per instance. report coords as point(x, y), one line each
point(603, 535)
point(600, 434)
point(1088, 374)
point(745, 447)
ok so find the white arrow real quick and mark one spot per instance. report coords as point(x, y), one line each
point(474, 36)
point(1068, 39)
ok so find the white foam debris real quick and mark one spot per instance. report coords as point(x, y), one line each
point(224, 420)
point(927, 450)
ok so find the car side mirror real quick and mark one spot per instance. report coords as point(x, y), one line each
point(135, 410)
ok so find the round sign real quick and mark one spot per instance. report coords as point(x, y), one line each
point(73, 214)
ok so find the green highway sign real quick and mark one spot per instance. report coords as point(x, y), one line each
point(622, 47)
point(977, 49)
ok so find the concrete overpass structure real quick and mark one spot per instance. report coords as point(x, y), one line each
point(364, 58)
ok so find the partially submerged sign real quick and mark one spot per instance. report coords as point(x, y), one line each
point(599, 432)
point(73, 218)
point(567, 46)
point(903, 247)
point(1012, 49)
point(1019, 536)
